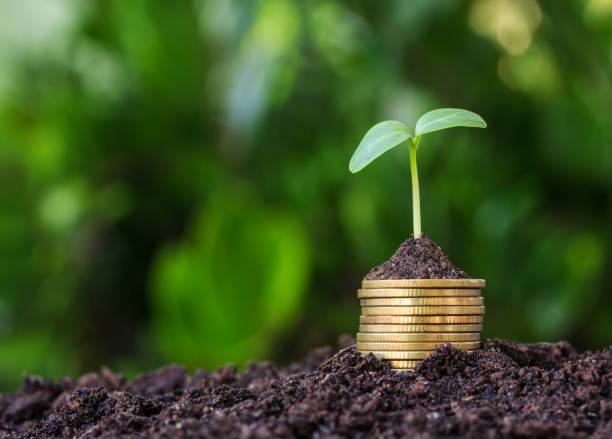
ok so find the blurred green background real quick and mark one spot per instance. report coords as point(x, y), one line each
point(174, 182)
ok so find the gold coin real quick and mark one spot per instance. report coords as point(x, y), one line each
point(420, 328)
point(400, 355)
point(423, 301)
point(418, 320)
point(368, 293)
point(421, 310)
point(413, 346)
point(425, 336)
point(403, 364)
point(424, 283)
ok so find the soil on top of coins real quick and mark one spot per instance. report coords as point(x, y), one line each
point(417, 259)
point(505, 390)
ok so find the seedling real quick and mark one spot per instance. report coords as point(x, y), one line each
point(390, 133)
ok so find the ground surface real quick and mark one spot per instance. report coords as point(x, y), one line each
point(505, 390)
point(417, 259)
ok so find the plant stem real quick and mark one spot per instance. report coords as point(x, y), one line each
point(416, 198)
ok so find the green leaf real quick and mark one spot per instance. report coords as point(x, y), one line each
point(380, 138)
point(443, 118)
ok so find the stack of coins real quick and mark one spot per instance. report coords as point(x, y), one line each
point(404, 320)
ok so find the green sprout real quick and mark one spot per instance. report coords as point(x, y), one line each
point(385, 135)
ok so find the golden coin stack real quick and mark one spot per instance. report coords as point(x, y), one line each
point(404, 320)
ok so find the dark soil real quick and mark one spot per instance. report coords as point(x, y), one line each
point(507, 390)
point(417, 259)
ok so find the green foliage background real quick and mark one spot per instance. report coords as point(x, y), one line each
point(174, 182)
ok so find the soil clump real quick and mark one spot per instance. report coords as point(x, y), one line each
point(504, 390)
point(417, 259)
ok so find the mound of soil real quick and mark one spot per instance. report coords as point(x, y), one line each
point(417, 259)
point(504, 390)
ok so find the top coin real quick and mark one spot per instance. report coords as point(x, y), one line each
point(370, 293)
point(424, 283)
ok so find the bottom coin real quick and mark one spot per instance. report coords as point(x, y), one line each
point(407, 346)
point(403, 364)
point(442, 337)
point(401, 355)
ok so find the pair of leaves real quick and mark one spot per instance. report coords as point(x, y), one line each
point(386, 135)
